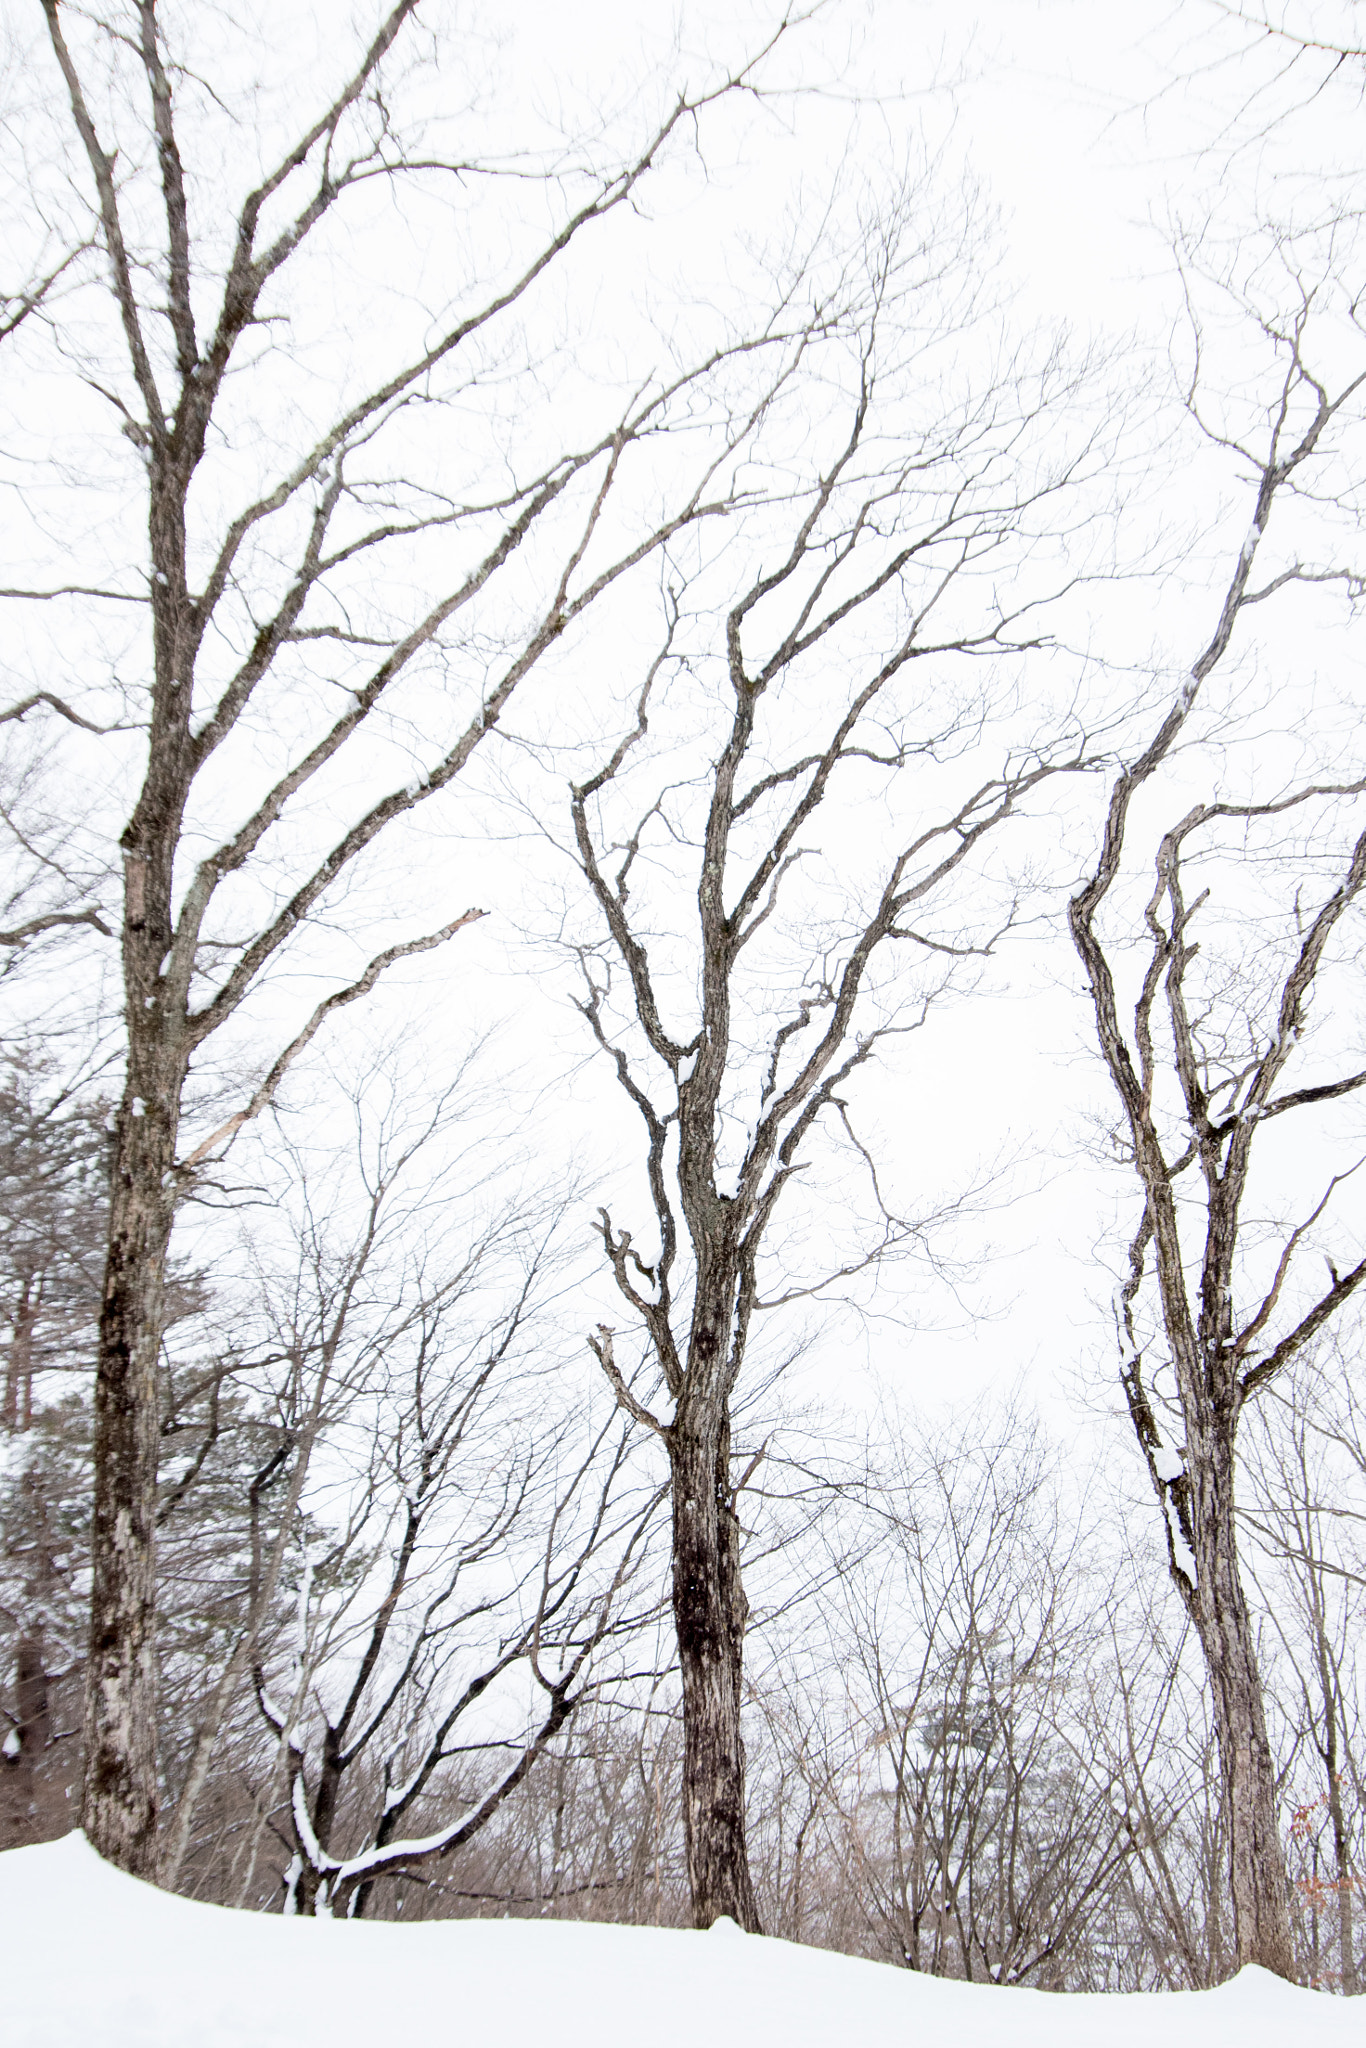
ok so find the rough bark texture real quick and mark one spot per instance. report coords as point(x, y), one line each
point(709, 1616)
point(1261, 1906)
point(119, 1807)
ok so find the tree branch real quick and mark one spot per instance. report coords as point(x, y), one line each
point(265, 1094)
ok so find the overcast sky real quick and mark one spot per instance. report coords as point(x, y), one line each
point(1093, 128)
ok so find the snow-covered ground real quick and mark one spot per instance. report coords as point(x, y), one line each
point(92, 1959)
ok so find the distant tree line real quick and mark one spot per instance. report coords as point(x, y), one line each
point(409, 1596)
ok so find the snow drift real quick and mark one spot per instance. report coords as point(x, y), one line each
point(93, 1959)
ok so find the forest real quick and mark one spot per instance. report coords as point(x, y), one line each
point(681, 999)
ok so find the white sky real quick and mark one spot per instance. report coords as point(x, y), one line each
point(1091, 125)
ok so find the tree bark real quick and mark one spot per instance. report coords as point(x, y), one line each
point(1261, 1908)
point(1342, 1865)
point(119, 1802)
point(709, 1615)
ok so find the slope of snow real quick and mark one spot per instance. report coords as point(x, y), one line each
point(93, 1959)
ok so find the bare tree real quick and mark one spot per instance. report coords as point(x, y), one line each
point(593, 1834)
point(1306, 1517)
point(980, 1829)
point(1202, 1074)
point(1166, 1923)
point(1305, 58)
point(54, 1195)
point(413, 1526)
point(388, 1342)
point(529, 1583)
point(354, 1281)
point(53, 1212)
point(814, 687)
point(282, 535)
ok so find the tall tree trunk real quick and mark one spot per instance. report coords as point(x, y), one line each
point(119, 1805)
point(1261, 1907)
point(709, 1615)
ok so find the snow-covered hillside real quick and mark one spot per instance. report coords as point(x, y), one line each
point(93, 1959)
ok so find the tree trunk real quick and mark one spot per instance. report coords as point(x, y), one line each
point(19, 1376)
point(119, 1806)
point(29, 1742)
point(1344, 1879)
point(313, 1896)
point(709, 1615)
point(1261, 1907)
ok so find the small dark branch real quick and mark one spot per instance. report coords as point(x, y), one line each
point(1084, 905)
point(1322, 1312)
point(1178, 956)
point(601, 1348)
point(1295, 991)
point(893, 1223)
point(180, 308)
point(1202, 813)
point(982, 952)
point(346, 639)
point(265, 1094)
point(789, 1030)
point(70, 590)
point(1284, 32)
point(1173, 1494)
point(272, 634)
point(620, 1252)
point(609, 900)
point(56, 703)
point(1273, 1295)
point(1131, 1358)
point(809, 800)
point(379, 1627)
point(206, 1444)
point(1326, 1091)
point(1147, 996)
point(744, 934)
point(764, 585)
point(1354, 580)
point(121, 271)
point(24, 303)
point(655, 1313)
point(751, 1468)
point(773, 781)
point(24, 932)
point(275, 1718)
point(398, 1855)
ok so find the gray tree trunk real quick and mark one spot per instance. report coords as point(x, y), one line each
point(709, 1616)
point(1261, 1907)
point(119, 1804)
